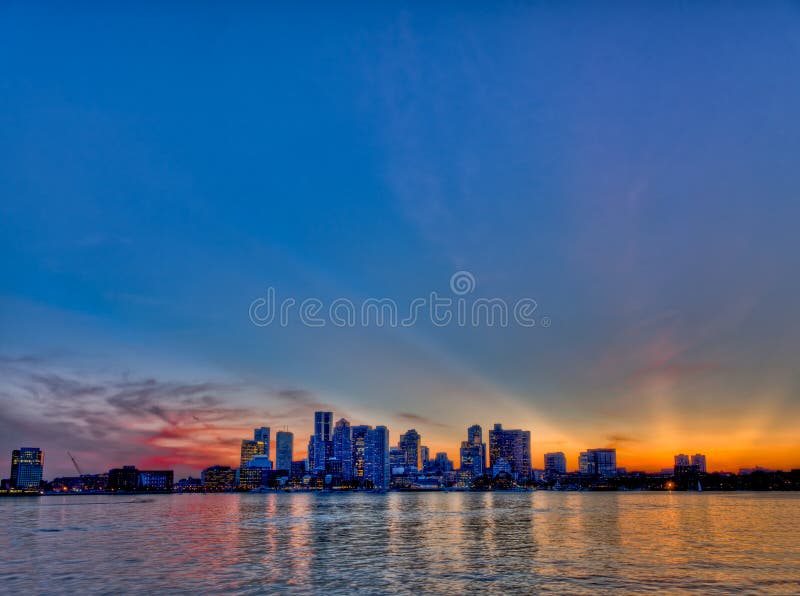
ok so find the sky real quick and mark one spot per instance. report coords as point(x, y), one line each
point(634, 169)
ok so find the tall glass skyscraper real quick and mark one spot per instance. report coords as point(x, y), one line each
point(343, 448)
point(376, 464)
point(261, 435)
point(358, 436)
point(473, 452)
point(27, 464)
point(320, 446)
point(410, 443)
point(284, 446)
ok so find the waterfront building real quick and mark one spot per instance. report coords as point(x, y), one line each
point(358, 437)
point(284, 445)
point(218, 478)
point(253, 473)
point(129, 479)
point(514, 446)
point(555, 463)
point(125, 479)
point(67, 484)
point(188, 485)
point(27, 464)
point(598, 462)
point(699, 461)
point(682, 461)
point(376, 458)
point(154, 480)
point(343, 448)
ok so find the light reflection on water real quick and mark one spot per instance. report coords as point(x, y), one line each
point(403, 542)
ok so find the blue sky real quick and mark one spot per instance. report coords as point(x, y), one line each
point(633, 168)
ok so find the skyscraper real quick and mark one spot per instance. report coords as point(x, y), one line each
point(475, 437)
point(555, 463)
point(358, 435)
point(343, 448)
point(472, 454)
point(27, 464)
point(261, 435)
point(320, 446)
point(410, 443)
point(699, 461)
point(514, 446)
point(376, 457)
point(284, 446)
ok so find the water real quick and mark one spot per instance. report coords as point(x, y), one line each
point(440, 543)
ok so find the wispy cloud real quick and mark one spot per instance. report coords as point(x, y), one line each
point(110, 420)
point(417, 419)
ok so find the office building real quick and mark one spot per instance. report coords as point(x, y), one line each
point(129, 479)
point(424, 456)
point(472, 454)
point(397, 460)
point(410, 442)
point(284, 447)
point(124, 479)
point(254, 473)
point(514, 446)
point(154, 480)
point(218, 478)
point(682, 461)
point(249, 450)
point(442, 463)
point(27, 464)
point(299, 469)
point(343, 448)
point(376, 458)
point(598, 462)
point(555, 463)
point(699, 462)
point(262, 435)
point(320, 445)
point(358, 437)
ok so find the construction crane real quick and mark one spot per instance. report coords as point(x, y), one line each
point(75, 463)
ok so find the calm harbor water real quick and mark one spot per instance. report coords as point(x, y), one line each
point(442, 543)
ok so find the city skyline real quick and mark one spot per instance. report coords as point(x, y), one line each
point(473, 456)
